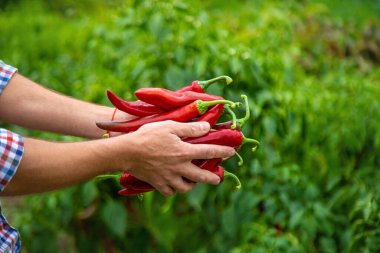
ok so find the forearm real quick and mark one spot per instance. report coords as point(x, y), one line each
point(47, 166)
point(30, 105)
point(154, 153)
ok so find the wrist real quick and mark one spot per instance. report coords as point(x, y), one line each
point(116, 153)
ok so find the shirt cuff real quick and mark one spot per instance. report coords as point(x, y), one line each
point(11, 151)
point(6, 73)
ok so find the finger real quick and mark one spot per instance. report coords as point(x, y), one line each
point(209, 151)
point(193, 129)
point(166, 190)
point(181, 185)
point(196, 174)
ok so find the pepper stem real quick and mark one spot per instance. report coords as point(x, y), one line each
point(244, 120)
point(204, 105)
point(205, 84)
point(233, 115)
point(109, 176)
point(234, 177)
point(241, 161)
point(249, 140)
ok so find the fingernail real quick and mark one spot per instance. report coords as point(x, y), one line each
point(205, 126)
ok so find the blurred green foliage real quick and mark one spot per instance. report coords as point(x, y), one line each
point(311, 69)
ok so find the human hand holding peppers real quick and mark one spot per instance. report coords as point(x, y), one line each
point(190, 105)
point(166, 160)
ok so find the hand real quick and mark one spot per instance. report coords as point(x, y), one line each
point(157, 155)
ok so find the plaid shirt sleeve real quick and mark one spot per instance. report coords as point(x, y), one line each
point(11, 151)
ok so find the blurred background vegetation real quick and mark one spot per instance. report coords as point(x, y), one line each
point(311, 69)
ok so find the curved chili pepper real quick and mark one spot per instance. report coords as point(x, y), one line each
point(140, 108)
point(212, 115)
point(201, 86)
point(182, 114)
point(222, 173)
point(213, 165)
point(168, 99)
point(131, 182)
point(239, 122)
point(207, 164)
point(225, 137)
point(127, 192)
point(137, 108)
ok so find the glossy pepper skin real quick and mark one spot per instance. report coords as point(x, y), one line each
point(219, 171)
point(128, 192)
point(168, 99)
point(131, 182)
point(137, 108)
point(201, 86)
point(226, 125)
point(194, 86)
point(140, 108)
point(212, 115)
point(226, 137)
point(182, 114)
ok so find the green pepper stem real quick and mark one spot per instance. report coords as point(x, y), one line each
point(233, 115)
point(205, 84)
point(241, 161)
point(109, 176)
point(234, 177)
point(204, 105)
point(244, 120)
point(249, 140)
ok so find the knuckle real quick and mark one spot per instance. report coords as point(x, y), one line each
point(193, 130)
point(171, 123)
point(182, 154)
point(182, 189)
point(202, 178)
point(191, 186)
point(211, 152)
point(167, 192)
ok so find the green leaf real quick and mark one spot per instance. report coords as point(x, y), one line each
point(197, 196)
point(114, 216)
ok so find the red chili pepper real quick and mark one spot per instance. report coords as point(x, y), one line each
point(137, 108)
point(201, 86)
point(225, 137)
point(131, 182)
point(213, 165)
point(182, 114)
point(223, 174)
point(127, 192)
point(207, 164)
point(168, 99)
point(140, 108)
point(212, 115)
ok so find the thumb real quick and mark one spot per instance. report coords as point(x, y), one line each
point(193, 129)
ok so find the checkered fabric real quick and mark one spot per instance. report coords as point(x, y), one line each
point(11, 150)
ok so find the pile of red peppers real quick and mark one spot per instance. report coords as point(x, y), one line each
point(188, 104)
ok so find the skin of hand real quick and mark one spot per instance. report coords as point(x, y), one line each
point(30, 105)
point(158, 156)
point(154, 153)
